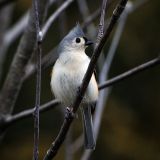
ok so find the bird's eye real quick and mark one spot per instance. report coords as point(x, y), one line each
point(78, 40)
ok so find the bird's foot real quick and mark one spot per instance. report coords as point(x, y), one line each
point(69, 114)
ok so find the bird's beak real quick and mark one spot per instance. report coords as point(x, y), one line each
point(88, 42)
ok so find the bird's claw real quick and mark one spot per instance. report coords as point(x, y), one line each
point(69, 114)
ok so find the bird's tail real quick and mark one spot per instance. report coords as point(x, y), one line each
point(89, 140)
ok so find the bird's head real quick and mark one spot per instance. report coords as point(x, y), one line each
point(75, 40)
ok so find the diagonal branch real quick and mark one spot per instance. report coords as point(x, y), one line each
point(101, 24)
point(5, 19)
point(17, 29)
point(53, 17)
point(130, 73)
point(68, 120)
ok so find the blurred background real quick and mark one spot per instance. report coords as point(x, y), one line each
point(130, 127)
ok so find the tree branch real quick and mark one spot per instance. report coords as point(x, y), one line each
point(15, 75)
point(101, 24)
point(5, 19)
point(12, 119)
point(54, 16)
point(130, 73)
point(16, 29)
point(38, 51)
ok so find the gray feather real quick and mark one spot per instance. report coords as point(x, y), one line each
point(75, 32)
point(89, 140)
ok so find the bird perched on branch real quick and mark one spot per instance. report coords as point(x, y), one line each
point(67, 76)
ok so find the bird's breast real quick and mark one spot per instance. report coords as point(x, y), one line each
point(67, 76)
point(66, 79)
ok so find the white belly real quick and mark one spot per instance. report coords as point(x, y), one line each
point(65, 82)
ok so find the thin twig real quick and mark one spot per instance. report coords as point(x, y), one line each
point(85, 12)
point(91, 29)
point(101, 23)
point(5, 19)
point(62, 21)
point(13, 32)
point(12, 119)
point(14, 79)
point(10, 35)
point(130, 73)
point(38, 51)
point(68, 120)
point(91, 18)
point(54, 16)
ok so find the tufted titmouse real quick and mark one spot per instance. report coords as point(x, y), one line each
point(67, 76)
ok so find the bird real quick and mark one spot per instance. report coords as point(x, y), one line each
point(67, 75)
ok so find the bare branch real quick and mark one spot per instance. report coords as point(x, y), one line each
point(130, 73)
point(68, 120)
point(84, 11)
point(12, 119)
point(15, 75)
point(91, 17)
point(5, 18)
point(16, 29)
point(38, 51)
point(11, 34)
point(54, 16)
point(62, 20)
point(91, 29)
point(101, 23)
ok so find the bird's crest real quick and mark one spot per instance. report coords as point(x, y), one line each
point(76, 32)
